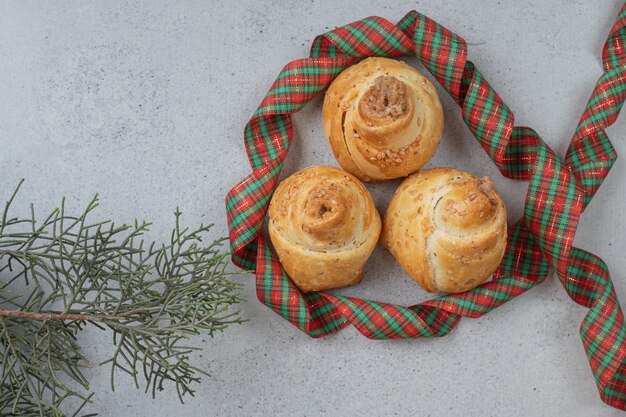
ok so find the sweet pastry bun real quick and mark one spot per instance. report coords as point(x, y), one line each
point(446, 228)
point(324, 226)
point(382, 119)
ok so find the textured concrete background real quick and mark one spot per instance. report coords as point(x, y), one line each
point(145, 102)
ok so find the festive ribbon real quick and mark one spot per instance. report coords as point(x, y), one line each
point(558, 192)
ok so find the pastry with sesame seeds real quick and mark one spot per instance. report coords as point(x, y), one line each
point(324, 226)
point(447, 229)
point(382, 119)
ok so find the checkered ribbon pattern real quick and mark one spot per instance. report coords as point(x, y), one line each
point(540, 242)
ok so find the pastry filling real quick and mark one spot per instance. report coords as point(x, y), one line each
point(387, 98)
point(323, 210)
point(326, 214)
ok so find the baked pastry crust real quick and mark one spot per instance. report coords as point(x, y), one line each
point(382, 119)
point(324, 226)
point(447, 229)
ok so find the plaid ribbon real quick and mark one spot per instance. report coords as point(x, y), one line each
point(542, 240)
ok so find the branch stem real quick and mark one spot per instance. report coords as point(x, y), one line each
point(65, 316)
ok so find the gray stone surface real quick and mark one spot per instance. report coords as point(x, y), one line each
point(145, 102)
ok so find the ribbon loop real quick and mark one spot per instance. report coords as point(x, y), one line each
point(558, 193)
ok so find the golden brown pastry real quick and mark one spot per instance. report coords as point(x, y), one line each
point(324, 226)
point(447, 229)
point(382, 118)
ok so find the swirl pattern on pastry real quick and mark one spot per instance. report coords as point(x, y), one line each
point(382, 119)
point(446, 228)
point(324, 226)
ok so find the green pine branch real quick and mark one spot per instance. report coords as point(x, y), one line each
point(67, 272)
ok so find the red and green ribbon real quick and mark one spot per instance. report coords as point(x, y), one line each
point(541, 241)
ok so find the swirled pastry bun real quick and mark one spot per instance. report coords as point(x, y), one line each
point(382, 119)
point(446, 228)
point(324, 226)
